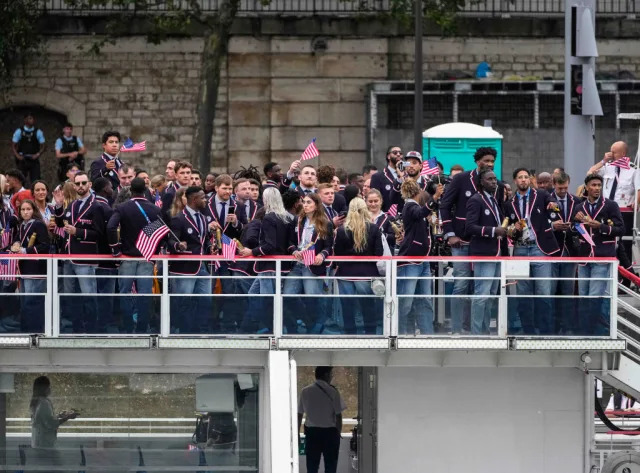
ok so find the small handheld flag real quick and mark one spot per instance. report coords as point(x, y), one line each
point(393, 211)
point(158, 200)
point(229, 247)
point(309, 255)
point(6, 236)
point(585, 234)
point(8, 269)
point(149, 238)
point(310, 152)
point(130, 146)
point(622, 163)
point(430, 167)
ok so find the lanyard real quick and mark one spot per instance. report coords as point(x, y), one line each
point(144, 214)
point(26, 232)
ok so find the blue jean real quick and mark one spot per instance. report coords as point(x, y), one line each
point(483, 307)
point(191, 313)
point(107, 286)
point(312, 310)
point(422, 306)
point(371, 307)
point(141, 273)
point(32, 308)
point(565, 308)
point(595, 313)
point(536, 313)
point(249, 306)
point(82, 311)
point(460, 306)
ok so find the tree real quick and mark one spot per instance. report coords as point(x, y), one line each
point(20, 39)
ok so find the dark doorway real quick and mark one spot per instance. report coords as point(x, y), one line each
point(48, 121)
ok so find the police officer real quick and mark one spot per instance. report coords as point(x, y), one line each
point(69, 149)
point(27, 146)
point(323, 406)
point(84, 223)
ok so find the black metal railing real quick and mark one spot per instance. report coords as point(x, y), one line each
point(480, 8)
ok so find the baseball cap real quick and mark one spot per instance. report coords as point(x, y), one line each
point(414, 155)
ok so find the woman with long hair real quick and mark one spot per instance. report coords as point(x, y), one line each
point(273, 240)
point(358, 237)
point(179, 202)
point(312, 232)
point(69, 193)
point(32, 238)
point(381, 219)
point(45, 423)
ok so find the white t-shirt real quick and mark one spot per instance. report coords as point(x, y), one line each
point(321, 402)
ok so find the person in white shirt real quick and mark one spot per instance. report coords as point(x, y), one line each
point(323, 406)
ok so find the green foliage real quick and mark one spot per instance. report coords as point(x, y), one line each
point(20, 39)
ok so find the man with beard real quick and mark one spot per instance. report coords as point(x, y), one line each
point(383, 181)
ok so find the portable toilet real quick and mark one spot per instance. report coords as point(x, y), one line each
point(455, 143)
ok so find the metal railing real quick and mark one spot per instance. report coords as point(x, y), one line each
point(490, 8)
point(415, 298)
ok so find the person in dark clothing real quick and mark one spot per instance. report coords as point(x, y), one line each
point(28, 145)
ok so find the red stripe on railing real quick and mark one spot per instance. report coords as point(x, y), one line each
point(629, 275)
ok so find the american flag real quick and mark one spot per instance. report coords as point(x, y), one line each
point(8, 269)
point(228, 248)
point(430, 167)
point(393, 211)
point(622, 163)
point(129, 146)
point(5, 240)
point(309, 255)
point(585, 234)
point(310, 151)
point(150, 237)
point(158, 199)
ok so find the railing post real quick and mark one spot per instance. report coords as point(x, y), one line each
point(613, 309)
point(277, 301)
point(394, 298)
point(503, 316)
point(388, 299)
point(165, 313)
point(51, 302)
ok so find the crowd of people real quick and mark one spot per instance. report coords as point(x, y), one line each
point(310, 214)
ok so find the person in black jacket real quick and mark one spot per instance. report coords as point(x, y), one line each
point(358, 237)
point(488, 238)
point(190, 227)
point(381, 219)
point(312, 231)
point(32, 238)
point(416, 242)
point(602, 220)
point(274, 240)
point(109, 163)
point(383, 180)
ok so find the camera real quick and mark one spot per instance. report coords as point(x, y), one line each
point(402, 165)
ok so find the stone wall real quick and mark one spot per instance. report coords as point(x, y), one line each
point(277, 93)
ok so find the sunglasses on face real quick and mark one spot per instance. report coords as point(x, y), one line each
point(396, 152)
point(82, 183)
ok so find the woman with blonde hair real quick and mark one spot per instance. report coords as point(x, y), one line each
point(358, 237)
point(179, 202)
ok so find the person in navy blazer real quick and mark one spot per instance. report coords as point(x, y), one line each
point(602, 219)
point(33, 272)
point(381, 219)
point(383, 180)
point(411, 171)
point(355, 277)
point(453, 211)
point(191, 229)
point(564, 274)
point(84, 223)
point(109, 163)
point(487, 238)
point(416, 242)
point(533, 239)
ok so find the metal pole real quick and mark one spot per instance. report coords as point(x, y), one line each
point(417, 103)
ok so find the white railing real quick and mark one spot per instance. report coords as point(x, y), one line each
point(440, 308)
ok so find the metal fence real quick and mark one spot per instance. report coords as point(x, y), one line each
point(489, 8)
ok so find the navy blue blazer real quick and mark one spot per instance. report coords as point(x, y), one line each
point(90, 227)
point(481, 221)
point(250, 238)
point(383, 181)
point(281, 186)
point(186, 228)
point(241, 210)
point(417, 232)
point(344, 246)
point(22, 234)
point(128, 217)
point(7, 220)
point(103, 242)
point(211, 215)
point(540, 219)
point(384, 224)
point(99, 169)
point(323, 246)
point(565, 239)
point(453, 204)
point(395, 197)
point(607, 212)
point(273, 240)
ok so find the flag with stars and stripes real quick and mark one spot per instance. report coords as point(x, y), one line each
point(158, 199)
point(310, 152)
point(229, 247)
point(309, 255)
point(393, 211)
point(149, 238)
point(585, 233)
point(430, 167)
point(6, 236)
point(8, 269)
point(622, 163)
point(130, 146)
